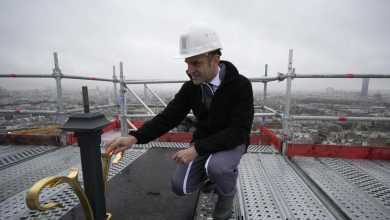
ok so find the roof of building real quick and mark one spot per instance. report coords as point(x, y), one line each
point(270, 186)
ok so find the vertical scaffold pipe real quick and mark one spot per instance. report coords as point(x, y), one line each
point(122, 102)
point(60, 100)
point(265, 88)
point(146, 98)
point(114, 79)
point(286, 116)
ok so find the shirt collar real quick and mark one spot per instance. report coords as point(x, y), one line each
point(217, 80)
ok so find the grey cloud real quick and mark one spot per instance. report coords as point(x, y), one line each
point(328, 36)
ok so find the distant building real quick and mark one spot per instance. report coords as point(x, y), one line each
point(330, 90)
point(364, 91)
point(378, 96)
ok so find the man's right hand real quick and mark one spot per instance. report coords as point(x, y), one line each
point(120, 144)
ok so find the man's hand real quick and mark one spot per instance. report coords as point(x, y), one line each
point(185, 156)
point(120, 144)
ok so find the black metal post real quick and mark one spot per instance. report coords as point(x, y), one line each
point(89, 143)
point(85, 99)
point(88, 129)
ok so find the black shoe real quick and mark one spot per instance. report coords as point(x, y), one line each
point(208, 186)
point(223, 208)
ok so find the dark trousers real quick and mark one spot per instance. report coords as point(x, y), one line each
point(220, 167)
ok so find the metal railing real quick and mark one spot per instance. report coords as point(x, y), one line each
point(120, 102)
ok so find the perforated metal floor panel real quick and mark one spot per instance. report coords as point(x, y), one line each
point(14, 186)
point(14, 207)
point(261, 149)
point(11, 154)
point(366, 181)
point(360, 194)
point(272, 190)
point(267, 188)
point(206, 204)
point(16, 178)
point(207, 201)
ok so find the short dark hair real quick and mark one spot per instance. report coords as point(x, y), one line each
point(211, 54)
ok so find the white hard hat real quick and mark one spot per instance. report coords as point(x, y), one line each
point(197, 39)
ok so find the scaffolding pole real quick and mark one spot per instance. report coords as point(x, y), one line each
point(265, 87)
point(286, 116)
point(258, 79)
point(146, 97)
point(140, 100)
point(280, 77)
point(61, 114)
point(154, 81)
point(152, 115)
point(131, 124)
point(269, 109)
point(122, 102)
point(86, 78)
point(92, 108)
point(14, 75)
point(267, 79)
point(140, 116)
point(114, 79)
point(338, 118)
point(265, 114)
point(155, 95)
point(23, 112)
point(18, 111)
point(341, 75)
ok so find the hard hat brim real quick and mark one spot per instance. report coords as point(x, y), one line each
point(184, 56)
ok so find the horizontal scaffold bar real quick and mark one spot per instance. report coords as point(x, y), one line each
point(87, 78)
point(91, 108)
point(14, 75)
point(280, 77)
point(19, 111)
point(342, 75)
point(338, 118)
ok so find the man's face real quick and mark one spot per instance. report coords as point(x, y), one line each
point(200, 69)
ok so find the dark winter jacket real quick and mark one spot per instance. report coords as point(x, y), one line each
point(226, 125)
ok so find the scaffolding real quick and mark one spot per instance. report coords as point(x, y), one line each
point(120, 102)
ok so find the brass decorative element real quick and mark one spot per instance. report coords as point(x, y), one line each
point(32, 198)
point(106, 158)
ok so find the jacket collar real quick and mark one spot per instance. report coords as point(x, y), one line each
point(231, 72)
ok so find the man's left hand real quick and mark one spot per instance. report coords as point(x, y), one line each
point(185, 156)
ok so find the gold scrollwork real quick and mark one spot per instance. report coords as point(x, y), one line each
point(106, 158)
point(32, 198)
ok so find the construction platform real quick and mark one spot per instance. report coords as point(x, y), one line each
point(270, 186)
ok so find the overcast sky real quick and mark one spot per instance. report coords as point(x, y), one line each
point(328, 36)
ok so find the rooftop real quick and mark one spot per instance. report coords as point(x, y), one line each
point(270, 186)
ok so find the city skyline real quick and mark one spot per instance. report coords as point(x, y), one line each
point(330, 102)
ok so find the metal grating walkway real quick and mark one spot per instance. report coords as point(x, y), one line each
point(268, 186)
point(11, 154)
point(14, 207)
point(360, 194)
point(272, 190)
point(23, 175)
